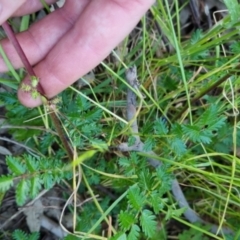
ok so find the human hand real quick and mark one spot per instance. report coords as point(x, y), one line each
point(71, 41)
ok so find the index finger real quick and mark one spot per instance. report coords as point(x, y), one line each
point(8, 7)
point(101, 26)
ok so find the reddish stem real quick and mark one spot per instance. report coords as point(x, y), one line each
point(12, 38)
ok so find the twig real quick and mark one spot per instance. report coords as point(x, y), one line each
point(21, 145)
point(195, 12)
point(20, 210)
point(53, 227)
point(132, 102)
point(61, 135)
point(190, 214)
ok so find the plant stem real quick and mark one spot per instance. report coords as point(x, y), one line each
point(12, 38)
point(61, 135)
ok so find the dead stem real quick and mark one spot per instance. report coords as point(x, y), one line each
point(190, 214)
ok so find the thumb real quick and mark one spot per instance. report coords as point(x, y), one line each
point(8, 7)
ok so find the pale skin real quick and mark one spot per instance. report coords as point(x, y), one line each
point(71, 41)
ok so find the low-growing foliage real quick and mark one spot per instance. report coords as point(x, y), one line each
point(188, 123)
point(20, 235)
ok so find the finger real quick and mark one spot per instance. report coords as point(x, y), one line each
point(102, 25)
point(31, 6)
point(37, 41)
point(8, 7)
point(98, 30)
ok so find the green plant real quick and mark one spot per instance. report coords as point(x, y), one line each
point(20, 235)
point(194, 234)
point(31, 174)
point(183, 128)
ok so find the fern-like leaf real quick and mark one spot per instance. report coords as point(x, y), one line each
point(194, 234)
point(124, 162)
point(5, 183)
point(83, 104)
point(131, 141)
point(172, 211)
point(165, 177)
point(233, 8)
point(34, 236)
point(176, 130)
point(210, 119)
point(35, 186)
point(134, 233)
point(126, 220)
point(8, 98)
point(94, 115)
point(149, 144)
point(15, 165)
point(31, 163)
point(235, 47)
point(127, 166)
point(208, 123)
point(146, 179)
point(156, 202)
point(119, 236)
point(148, 223)
point(22, 191)
point(196, 36)
point(177, 146)
point(19, 235)
point(48, 180)
point(136, 198)
point(160, 127)
point(196, 134)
